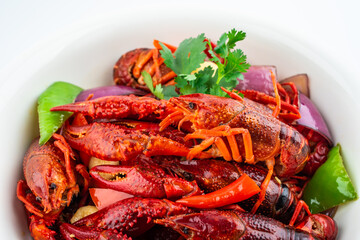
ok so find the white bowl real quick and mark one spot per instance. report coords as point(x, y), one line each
point(85, 54)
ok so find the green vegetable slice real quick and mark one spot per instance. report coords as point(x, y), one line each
point(330, 185)
point(59, 93)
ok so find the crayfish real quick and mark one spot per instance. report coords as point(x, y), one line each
point(168, 152)
point(231, 128)
point(50, 184)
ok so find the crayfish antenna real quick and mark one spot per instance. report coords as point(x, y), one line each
point(232, 94)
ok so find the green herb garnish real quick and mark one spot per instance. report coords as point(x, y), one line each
point(161, 92)
point(190, 55)
point(187, 57)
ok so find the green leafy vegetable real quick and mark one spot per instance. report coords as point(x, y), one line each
point(190, 55)
point(187, 57)
point(330, 185)
point(228, 41)
point(161, 92)
point(169, 92)
point(199, 82)
point(59, 93)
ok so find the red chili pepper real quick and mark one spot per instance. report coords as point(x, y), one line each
point(243, 188)
point(103, 197)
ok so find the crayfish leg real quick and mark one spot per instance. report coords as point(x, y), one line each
point(270, 164)
point(39, 228)
point(141, 63)
point(216, 135)
point(68, 153)
point(81, 169)
point(300, 205)
point(20, 192)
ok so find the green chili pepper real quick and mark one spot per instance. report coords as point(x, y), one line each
point(59, 93)
point(330, 185)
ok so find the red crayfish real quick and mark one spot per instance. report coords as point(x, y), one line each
point(247, 130)
point(125, 217)
point(204, 129)
point(50, 184)
point(231, 128)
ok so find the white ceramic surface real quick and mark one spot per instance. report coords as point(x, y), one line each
point(85, 54)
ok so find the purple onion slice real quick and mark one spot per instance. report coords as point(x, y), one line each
point(311, 118)
point(258, 78)
point(113, 90)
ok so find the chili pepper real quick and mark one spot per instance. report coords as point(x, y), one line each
point(243, 188)
point(330, 185)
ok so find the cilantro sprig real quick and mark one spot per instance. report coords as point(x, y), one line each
point(159, 91)
point(188, 57)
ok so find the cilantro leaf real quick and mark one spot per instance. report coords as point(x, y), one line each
point(235, 36)
point(221, 47)
point(228, 41)
point(158, 91)
point(214, 58)
point(149, 83)
point(190, 55)
point(161, 92)
point(187, 90)
point(199, 82)
point(169, 92)
point(148, 80)
point(168, 57)
point(206, 77)
point(181, 81)
point(187, 57)
point(235, 65)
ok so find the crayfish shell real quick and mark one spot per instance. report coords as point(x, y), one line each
point(127, 70)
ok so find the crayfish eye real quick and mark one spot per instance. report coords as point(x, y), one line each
point(52, 185)
point(192, 105)
point(188, 176)
point(38, 199)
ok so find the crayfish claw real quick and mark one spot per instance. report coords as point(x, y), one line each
point(210, 224)
point(124, 216)
point(143, 181)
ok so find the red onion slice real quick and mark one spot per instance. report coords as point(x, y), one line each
point(311, 118)
point(113, 90)
point(258, 78)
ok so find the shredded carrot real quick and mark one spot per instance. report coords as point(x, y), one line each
point(156, 65)
point(158, 46)
point(154, 69)
point(277, 96)
point(283, 92)
point(141, 63)
point(167, 77)
point(295, 91)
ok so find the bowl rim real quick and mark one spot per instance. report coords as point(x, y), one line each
point(64, 37)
